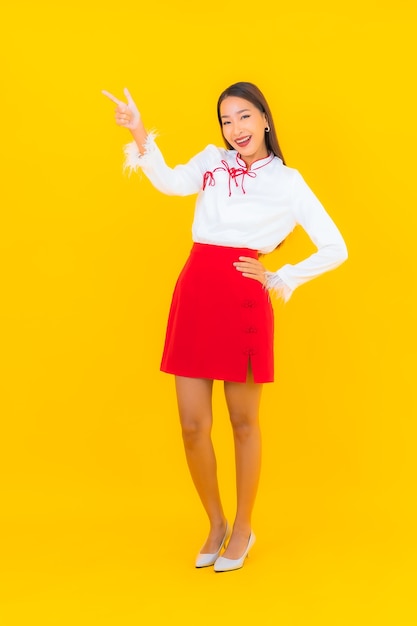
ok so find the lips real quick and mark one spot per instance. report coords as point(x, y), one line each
point(243, 141)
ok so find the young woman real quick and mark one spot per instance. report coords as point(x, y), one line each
point(220, 325)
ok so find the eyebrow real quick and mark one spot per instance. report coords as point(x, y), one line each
point(237, 112)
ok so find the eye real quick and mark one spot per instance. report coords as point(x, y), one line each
point(244, 117)
point(225, 122)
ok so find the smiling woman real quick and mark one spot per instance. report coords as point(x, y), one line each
point(248, 94)
point(221, 323)
point(244, 128)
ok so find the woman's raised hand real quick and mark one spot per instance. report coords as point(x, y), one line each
point(127, 115)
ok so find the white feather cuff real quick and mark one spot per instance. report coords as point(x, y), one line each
point(277, 285)
point(133, 158)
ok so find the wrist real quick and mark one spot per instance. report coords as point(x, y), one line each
point(139, 135)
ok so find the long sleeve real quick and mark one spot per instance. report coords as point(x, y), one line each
point(181, 180)
point(331, 248)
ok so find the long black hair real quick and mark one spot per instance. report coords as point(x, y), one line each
point(250, 92)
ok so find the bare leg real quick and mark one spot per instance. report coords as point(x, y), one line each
point(194, 396)
point(243, 400)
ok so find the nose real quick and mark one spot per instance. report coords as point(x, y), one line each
point(237, 131)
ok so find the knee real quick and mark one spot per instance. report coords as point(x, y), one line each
point(243, 425)
point(194, 429)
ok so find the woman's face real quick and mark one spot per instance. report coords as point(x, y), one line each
point(243, 127)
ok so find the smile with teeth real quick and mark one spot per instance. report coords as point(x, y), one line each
point(243, 141)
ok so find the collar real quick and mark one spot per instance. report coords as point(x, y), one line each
point(256, 164)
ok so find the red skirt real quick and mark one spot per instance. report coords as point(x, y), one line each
point(219, 321)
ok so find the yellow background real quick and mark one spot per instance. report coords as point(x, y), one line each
point(99, 521)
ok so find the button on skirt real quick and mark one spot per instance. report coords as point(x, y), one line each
point(220, 322)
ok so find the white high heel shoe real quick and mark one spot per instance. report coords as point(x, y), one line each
point(228, 565)
point(205, 559)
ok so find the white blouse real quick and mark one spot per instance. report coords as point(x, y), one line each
point(255, 208)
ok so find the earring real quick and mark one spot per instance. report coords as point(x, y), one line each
point(267, 129)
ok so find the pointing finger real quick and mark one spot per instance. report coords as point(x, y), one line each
point(128, 96)
point(109, 95)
